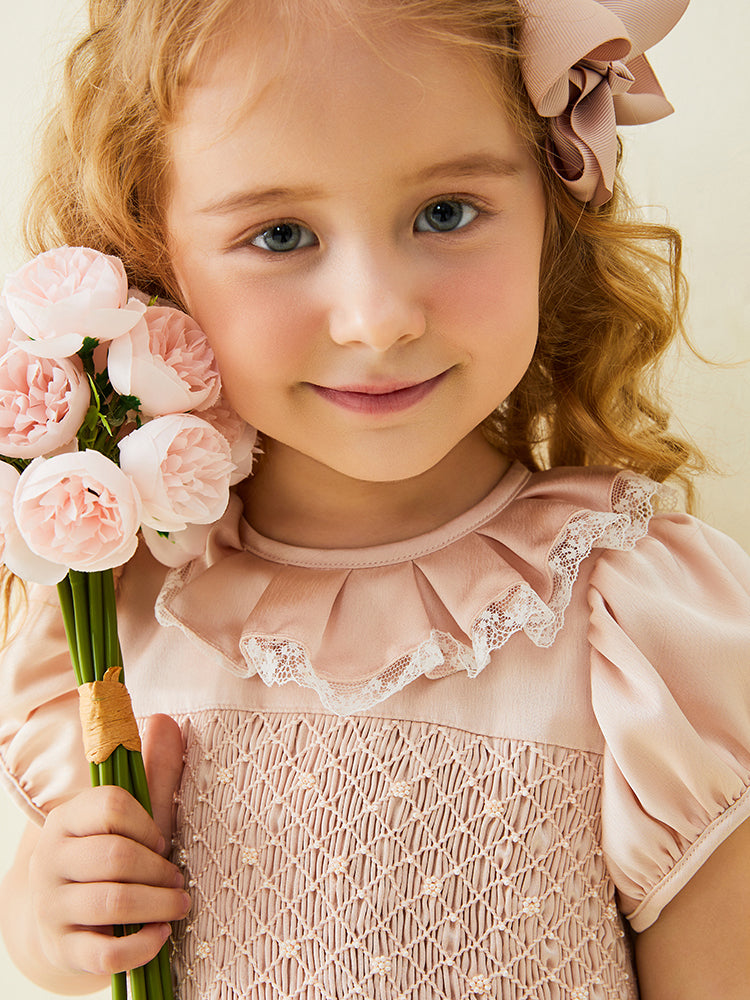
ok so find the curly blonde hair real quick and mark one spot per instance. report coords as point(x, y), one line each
point(612, 291)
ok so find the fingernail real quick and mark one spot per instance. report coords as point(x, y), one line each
point(165, 930)
point(188, 902)
point(161, 845)
point(179, 880)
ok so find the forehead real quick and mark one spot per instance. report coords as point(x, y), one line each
point(264, 88)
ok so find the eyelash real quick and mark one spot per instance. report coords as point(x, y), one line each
point(475, 205)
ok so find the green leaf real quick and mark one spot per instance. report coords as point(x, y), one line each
point(90, 344)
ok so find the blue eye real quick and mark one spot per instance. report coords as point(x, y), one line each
point(283, 237)
point(444, 216)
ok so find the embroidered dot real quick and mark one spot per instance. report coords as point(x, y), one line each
point(531, 905)
point(203, 950)
point(494, 807)
point(452, 918)
point(580, 993)
point(571, 799)
point(428, 772)
point(224, 775)
point(338, 866)
point(360, 893)
point(400, 789)
point(610, 911)
point(182, 856)
point(307, 781)
point(480, 984)
point(380, 965)
point(192, 883)
point(432, 885)
point(289, 948)
point(249, 856)
point(226, 884)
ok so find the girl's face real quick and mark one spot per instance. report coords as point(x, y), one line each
point(359, 235)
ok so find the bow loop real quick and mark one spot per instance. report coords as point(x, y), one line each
point(584, 68)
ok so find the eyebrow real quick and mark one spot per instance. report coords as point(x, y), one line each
point(472, 165)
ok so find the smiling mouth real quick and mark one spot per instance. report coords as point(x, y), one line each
point(376, 400)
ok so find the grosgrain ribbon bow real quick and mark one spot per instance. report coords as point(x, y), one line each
point(584, 68)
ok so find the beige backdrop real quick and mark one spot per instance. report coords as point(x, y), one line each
point(692, 168)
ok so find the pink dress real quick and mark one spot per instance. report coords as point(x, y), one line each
point(451, 767)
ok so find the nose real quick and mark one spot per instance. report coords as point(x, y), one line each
point(375, 303)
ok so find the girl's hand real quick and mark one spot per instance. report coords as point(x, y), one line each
point(100, 860)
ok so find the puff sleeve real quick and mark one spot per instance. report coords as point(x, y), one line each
point(41, 753)
point(670, 682)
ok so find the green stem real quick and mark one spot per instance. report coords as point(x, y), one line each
point(140, 785)
point(79, 590)
point(65, 595)
point(96, 623)
point(153, 980)
point(120, 986)
point(89, 611)
point(138, 984)
point(164, 970)
point(111, 638)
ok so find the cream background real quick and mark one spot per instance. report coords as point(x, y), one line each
point(697, 163)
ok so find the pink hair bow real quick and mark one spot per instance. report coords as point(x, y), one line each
point(583, 66)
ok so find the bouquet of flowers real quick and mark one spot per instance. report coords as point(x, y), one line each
point(97, 444)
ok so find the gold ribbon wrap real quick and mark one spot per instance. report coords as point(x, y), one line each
point(107, 718)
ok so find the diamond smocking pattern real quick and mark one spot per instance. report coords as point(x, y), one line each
point(332, 858)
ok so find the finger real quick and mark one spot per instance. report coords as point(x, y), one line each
point(109, 858)
point(162, 757)
point(103, 810)
point(102, 904)
point(103, 954)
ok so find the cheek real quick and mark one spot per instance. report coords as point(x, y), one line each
point(258, 336)
point(491, 303)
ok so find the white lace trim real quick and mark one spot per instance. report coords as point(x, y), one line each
point(281, 660)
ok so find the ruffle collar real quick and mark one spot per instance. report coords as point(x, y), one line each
point(358, 625)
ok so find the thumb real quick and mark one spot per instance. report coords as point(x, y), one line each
point(162, 756)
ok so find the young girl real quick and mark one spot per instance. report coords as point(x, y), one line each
point(458, 709)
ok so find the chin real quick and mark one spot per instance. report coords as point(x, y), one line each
point(387, 468)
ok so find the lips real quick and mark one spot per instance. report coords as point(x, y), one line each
point(379, 399)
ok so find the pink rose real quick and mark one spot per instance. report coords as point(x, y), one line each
point(7, 327)
point(42, 403)
point(14, 552)
point(242, 437)
point(166, 361)
point(79, 510)
point(177, 547)
point(65, 295)
point(181, 467)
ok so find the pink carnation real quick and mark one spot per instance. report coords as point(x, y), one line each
point(79, 510)
point(42, 403)
point(64, 295)
point(14, 552)
point(165, 361)
point(242, 437)
point(181, 468)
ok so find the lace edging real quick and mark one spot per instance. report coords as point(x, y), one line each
point(280, 660)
